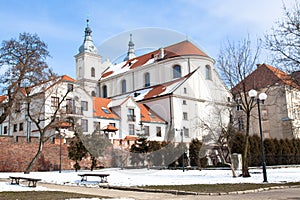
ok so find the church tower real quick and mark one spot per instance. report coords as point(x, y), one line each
point(89, 66)
point(130, 53)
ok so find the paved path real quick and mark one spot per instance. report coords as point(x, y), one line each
point(276, 194)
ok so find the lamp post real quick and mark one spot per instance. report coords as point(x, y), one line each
point(261, 99)
point(27, 128)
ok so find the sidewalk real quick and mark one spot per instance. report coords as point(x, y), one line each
point(285, 193)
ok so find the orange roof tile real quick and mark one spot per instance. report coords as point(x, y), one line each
point(101, 108)
point(67, 78)
point(148, 115)
point(131, 137)
point(2, 98)
point(264, 76)
point(109, 128)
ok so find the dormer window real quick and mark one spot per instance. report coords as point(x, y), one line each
point(105, 110)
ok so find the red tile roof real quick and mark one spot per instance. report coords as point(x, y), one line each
point(2, 98)
point(131, 137)
point(183, 48)
point(160, 89)
point(100, 105)
point(109, 128)
point(67, 78)
point(264, 76)
point(148, 115)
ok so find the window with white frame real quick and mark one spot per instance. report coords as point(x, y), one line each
point(186, 132)
point(158, 131)
point(84, 125)
point(176, 71)
point(92, 72)
point(185, 116)
point(147, 79)
point(146, 130)
point(208, 72)
point(131, 129)
point(54, 101)
point(123, 86)
point(84, 105)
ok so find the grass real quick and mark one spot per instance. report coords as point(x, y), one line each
point(218, 188)
point(42, 195)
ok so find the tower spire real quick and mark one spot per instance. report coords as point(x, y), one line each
point(88, 44)
point(130, 52)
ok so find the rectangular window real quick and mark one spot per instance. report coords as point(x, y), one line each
point(146, 130)
point(184, 102)
point(241, 123)
point(185, 116)
point(18, 107)
point(184, 90)
point(54, 101)
point(158, 131)
point(131, 116)
point(112, 124)
point(15, 128)
point(84, 125)
point(264, 114)
point(21, 127)
point(186, 132)
point(70, 87)
point(131, 129)
point(84, 105)
point(5, 130)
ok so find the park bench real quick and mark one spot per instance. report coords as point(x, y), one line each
point(15, 180)
point(103, 177)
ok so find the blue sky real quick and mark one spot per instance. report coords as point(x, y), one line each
point(60, 24)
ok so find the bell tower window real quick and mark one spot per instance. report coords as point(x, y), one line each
point(92, 72)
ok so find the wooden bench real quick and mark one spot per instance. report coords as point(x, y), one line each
point(103, 177)
point(15, 180)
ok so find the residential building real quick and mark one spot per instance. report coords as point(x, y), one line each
point(280, 115)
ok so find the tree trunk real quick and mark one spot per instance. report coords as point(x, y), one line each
point(31, 164)
point(245, 169)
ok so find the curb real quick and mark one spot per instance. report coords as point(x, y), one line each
point(179, 192)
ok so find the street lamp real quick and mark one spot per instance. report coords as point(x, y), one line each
point(183, 150)
point(261, 99)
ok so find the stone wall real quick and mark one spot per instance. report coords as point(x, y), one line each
point(16, 153)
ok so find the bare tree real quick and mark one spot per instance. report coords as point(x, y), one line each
point(284, 39)
point(47, 118)
point(219, 133)
point(22, 63)
point(235, 62)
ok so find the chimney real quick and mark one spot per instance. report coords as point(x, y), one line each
point(161, 53)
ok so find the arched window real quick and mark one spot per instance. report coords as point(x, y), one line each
point(123, 86)
point(177, 71)
point(92, 72)
point(104, 91)
point(80, 72)
point(208, 72)
point(147, 79)
point(93, 93)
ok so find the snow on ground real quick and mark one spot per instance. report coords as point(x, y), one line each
point(142, 177)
